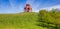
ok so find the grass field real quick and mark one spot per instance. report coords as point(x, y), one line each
point(19, 21)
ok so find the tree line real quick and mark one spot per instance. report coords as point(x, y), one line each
point(49, 19)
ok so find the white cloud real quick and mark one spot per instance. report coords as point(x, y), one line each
point(47, 8)
point(50, 8)
point(35, 10)
point(30, 1)
point(11, 3)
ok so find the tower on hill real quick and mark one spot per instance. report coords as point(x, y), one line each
point(27, 8)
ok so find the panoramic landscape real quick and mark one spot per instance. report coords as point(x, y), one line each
point(29, 14)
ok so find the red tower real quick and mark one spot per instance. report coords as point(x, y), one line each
point(27, 8)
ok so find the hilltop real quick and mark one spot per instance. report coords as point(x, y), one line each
point(26, 20)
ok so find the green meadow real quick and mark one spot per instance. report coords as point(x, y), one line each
point(31, 20)
point(19, 21)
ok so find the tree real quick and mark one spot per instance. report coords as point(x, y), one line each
point(56, 15)
point(45, 18)
point(50, 17)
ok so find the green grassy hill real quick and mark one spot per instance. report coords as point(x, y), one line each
point(19, 21)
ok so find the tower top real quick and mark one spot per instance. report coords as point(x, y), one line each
point(27, 4)
point(27, 8)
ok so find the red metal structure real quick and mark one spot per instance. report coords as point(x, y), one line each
point(27, 8)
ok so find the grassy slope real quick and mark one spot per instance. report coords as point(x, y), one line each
point(19, 21)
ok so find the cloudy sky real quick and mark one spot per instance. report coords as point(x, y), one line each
point(16, 6)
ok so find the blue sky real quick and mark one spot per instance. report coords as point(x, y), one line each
point(17, 6)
